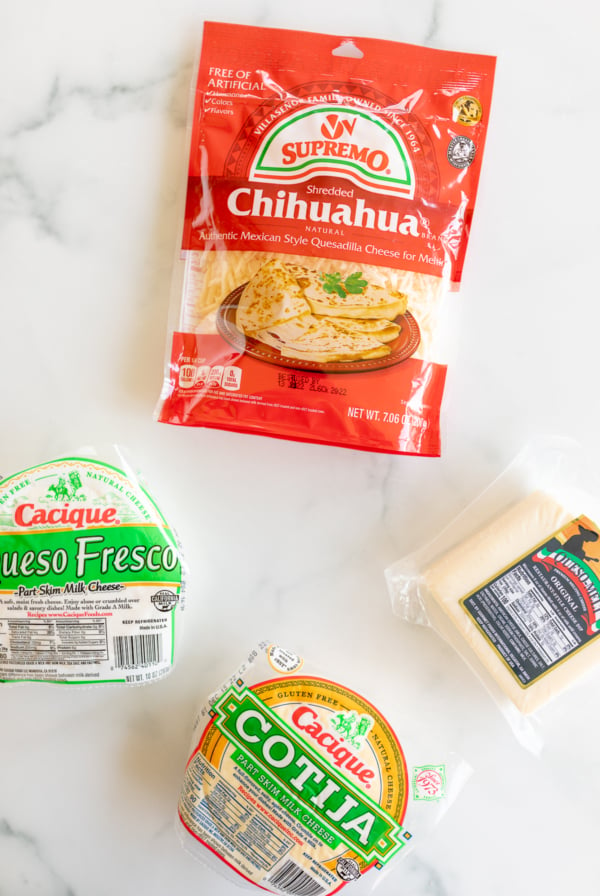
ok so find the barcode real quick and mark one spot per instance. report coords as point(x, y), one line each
point(137, 650)
point(292, 879)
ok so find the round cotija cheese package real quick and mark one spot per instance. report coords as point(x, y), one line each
point(299, 785)
point(91, 575)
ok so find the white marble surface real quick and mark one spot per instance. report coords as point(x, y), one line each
point(284, 540)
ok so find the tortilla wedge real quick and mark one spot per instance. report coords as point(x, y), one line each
point(383, 330)
point(315, 339)
point(374, 302)
point(271, 297)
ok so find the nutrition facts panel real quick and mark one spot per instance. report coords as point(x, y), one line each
point(534, 614)
point(53, 640)
point(223, 816)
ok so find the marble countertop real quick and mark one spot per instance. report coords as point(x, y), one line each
point(284, 541)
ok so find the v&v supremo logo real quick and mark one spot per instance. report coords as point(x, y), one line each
point(354, 144)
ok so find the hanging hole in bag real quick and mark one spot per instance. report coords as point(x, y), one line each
point(349, 49)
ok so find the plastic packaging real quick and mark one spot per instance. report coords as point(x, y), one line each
point(329, 200)
point(298, 785)
point(513, 584)
point(91, 575)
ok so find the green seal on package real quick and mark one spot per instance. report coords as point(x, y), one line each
point(91, 576)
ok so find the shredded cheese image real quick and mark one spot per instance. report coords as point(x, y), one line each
point(210, 276)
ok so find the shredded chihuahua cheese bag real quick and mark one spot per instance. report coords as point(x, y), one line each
point(329, 198)
point(298, 785)
point(91, 575)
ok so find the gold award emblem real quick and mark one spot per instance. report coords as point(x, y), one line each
point(467, 110)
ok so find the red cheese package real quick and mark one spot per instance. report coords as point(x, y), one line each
point(329, 199)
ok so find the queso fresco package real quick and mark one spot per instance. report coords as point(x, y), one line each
point(329, 200)
point(92, 579)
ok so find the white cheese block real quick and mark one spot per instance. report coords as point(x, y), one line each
point(475, 561)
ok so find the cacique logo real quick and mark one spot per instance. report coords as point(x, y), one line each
point(69, 490)
point(29, 515)
point(353, 144)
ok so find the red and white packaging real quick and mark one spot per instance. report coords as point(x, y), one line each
point(329, 199)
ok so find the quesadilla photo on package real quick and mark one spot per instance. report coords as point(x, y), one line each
point(328, 204)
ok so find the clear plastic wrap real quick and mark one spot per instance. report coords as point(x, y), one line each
point(513, 582)
point(297, 784)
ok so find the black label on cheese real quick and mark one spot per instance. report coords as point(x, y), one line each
point(546, 606)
